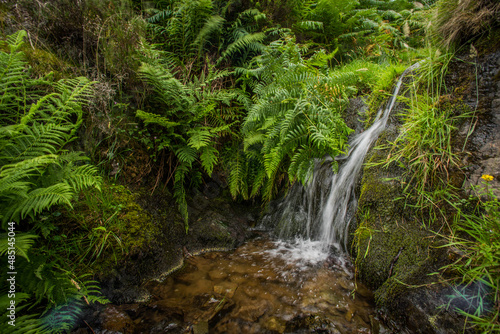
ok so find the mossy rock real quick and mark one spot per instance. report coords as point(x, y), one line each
point(395, 250)
point(132, 225)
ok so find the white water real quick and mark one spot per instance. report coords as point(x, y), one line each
point(316, 218)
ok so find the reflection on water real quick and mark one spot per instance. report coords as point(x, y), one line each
point(262, 287)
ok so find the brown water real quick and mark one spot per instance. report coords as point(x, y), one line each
point(262, 287)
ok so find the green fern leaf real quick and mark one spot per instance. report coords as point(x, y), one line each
point(23, 242)
point(150, 118)
point(186, 154)
point(209, 159)
point(252, 42)
point(41, 199)
point(199, 138)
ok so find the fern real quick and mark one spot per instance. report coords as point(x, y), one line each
point(199, 138)
point(150, 118)
point(186, 154)
point(290, 124)
point(246, 42)
point(209, 159)
point(13, 78)
point(196, 114)
point(36, 174)
point(237, 176)
point(23, 242)
point(37, 140)
point(212, 26)
point(180, 191)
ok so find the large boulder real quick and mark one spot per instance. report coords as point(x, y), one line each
point(396, 246)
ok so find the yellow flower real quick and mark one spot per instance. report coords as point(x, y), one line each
point(487, 177)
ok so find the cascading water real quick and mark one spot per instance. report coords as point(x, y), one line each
point(318, 216)
point(273, 286)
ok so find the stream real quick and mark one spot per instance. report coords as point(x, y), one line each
point(264, 286)
point(302, 282)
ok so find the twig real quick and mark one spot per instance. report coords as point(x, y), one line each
point(89, 326)
point(394, 261)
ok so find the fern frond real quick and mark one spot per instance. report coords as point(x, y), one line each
point(14, 177)
point(253, 138)
point(186, 155)
point(272, 160)
point(258, 181)
point(13, 78)
point(169, 90)
point(180, 191)
point(209, 159)
point(35, 141)
point(22, 243)
point(41, 199)
point(62, 318)
point(150, 118)
point(309, 26)
point(212, 26)
point(251, 42)
point(82, 177)
point(301, 166)
point(237, 176)
point(199, 138)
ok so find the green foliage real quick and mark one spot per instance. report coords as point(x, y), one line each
point(195, 117)
point(424, 146)
point(476, 241)
point(193, 30)
point(372, 29)
point(183, 26)
point(295, 118)
point(456, 22)
point(100, 231)
point(427, 151)
point(37, 173)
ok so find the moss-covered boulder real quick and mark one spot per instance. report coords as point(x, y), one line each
point(397, 246)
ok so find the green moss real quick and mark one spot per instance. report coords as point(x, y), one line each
point(114, 222)
point(43, 62)
point(389, 235)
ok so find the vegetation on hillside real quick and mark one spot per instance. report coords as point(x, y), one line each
point(174, 92)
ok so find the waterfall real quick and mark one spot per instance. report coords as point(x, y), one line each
point(321, 212)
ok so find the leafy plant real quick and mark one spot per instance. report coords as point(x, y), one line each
point(195, 117)
point(295, 118)
point(458, 21)
point(37, 173)
point(476, 244)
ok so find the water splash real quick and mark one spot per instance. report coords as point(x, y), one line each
point(322, 211)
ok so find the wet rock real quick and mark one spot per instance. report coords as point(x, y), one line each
point(349, 314)
point(311, 323)
point(375, 325)
point(169, 306)
point(226, 289)
point(251, 312)
point(167, 326)
point(238, 279)
point(252, 290)
point(200, 328)
point(114, 319)
point(275, 325)
point(362, 290)
point(217, 274)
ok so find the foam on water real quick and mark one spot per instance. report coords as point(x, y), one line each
point(300, 252)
